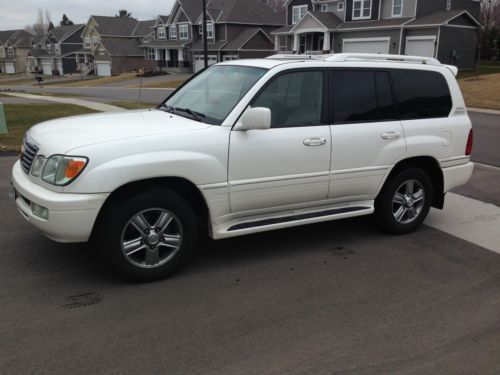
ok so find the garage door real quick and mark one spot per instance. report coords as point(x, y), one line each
point(199, 62)
point(103, 69)
point(47, 69)
point(369, 45)
point(10, 68)
point(420, 46)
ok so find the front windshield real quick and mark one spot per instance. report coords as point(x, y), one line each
point(212, 95)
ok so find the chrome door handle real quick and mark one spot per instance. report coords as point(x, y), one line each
point(315, 141)
point(391, 135)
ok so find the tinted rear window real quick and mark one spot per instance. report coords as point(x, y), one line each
point(421, 94)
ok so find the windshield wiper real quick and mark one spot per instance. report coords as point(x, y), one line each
point(167, 107)
point(196, 115)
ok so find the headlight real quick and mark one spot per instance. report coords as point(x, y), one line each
point(61, 170)
point(36, 167)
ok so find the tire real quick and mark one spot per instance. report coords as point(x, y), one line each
point(148, 236)
point(395, 200)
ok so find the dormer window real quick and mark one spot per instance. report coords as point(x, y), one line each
point(49, 48)
point(361, 9)
point(11, 51)
point(324, 7)
point(162, 33)
point(298, 12)
point(173, 32)
point(183, 32)
point(340, 6)
point(397, 8)
point(87, 43)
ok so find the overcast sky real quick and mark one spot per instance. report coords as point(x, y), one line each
point(15, 14)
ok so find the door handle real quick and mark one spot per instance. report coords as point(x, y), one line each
point(315, 141)
point(391, 135)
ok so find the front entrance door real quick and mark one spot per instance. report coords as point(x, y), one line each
point(302, 44)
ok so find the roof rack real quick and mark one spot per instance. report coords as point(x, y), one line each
point(339, 57)
point(297, 57)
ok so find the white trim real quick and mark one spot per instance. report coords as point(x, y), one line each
point(394, 15)
point(361, 17)
point(186, 31)
point(343, 6)
point(437, 43)
point(299, 7)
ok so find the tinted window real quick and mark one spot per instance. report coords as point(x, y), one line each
point(354, 96)
point(385, 98)
point(295, 99)
point(421, 94)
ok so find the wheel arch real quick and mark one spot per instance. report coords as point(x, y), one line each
point(431, 166)
point(185, 188)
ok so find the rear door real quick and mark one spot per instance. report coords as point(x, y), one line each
point(367, 135)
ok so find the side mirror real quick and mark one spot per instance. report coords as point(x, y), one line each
point(258, 118)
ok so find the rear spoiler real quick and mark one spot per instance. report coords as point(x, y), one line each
point(452, 69)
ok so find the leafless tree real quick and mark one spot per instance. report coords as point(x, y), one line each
point(276, 4)
point(41, 26)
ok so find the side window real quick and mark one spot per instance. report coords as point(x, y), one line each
point(295, 99)
point(421, 94)
point(385, 98)
point(354, 96)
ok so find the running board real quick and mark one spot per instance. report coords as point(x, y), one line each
point(300, 217)
point(287, 219)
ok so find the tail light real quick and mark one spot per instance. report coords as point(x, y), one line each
point(470, 143)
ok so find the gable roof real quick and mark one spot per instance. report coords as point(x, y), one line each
point(6, 35)
point(192, 8)
point(239, 41)
point(441, 18)
point(254, 12)
point(115, 26)
point(144, 28)
point(61, 33)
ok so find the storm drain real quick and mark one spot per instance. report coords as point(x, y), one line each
point(81, 300)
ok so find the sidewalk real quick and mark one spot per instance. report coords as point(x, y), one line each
point(83, 103)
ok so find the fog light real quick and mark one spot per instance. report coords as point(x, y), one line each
point(40, 211)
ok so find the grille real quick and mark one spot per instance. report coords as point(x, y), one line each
point(30, 150)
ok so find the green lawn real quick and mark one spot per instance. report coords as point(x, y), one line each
point(486, 67)
point(20, 117)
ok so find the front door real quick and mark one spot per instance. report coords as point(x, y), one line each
point(302, 44)
point(287, 165)
point(367, 135)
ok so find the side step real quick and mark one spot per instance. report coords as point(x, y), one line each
point(292, 218)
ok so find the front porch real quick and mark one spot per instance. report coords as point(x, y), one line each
point(172, 59)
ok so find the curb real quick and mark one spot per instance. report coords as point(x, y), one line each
point(480, 110)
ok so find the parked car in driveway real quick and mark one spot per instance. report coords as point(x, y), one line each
point(249, 146)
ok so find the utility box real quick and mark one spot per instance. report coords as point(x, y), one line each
point(3, 122)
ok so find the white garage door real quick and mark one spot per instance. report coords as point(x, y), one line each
point(420, 46)
point(47, 69)
point(199, 62)
point(103, 69)
point(10, 68)
point(368, 45)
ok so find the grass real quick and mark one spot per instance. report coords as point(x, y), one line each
point(482, 92)
point(20, 117)
point(97, 81)
point(18, 82)
point(133, 105)
point(486, 68)
point(172, 84)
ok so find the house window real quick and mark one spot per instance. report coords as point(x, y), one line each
point(298, 12)
point(324, 7)
point(340, 6)
point(95, 41)
point(448, 4)
point(151, 54)
point(210, 30)
point(2, 51)
point(11, 51)
point(162, 32)
point(361, 9)
point(173, 32)
point(183, 32)
point(49, 48)
point(87, 43)
point(397, 8)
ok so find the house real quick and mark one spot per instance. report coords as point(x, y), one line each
point(444, 29)
point(55, 54)
point(235, 29)
point(14, 47)
point(111, 45)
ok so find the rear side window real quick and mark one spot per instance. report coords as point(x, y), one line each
point(362, 96)
point(421, 94)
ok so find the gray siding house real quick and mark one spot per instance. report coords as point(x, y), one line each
point(14, 47)
point(444, 29)
point(236, 29)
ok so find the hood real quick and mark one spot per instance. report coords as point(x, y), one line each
point(63, 135)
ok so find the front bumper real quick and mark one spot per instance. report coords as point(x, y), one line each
point(71, 216)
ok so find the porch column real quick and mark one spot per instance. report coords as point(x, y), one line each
point(157, 54)
point(295, 43)
point(181, 54)
point(167, 55)
point(326, 42)
point(276, 43)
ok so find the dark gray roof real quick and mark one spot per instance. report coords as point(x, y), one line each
point(329, 19)
point(164, 19)
point(192, 8)
point(122, 47)
point(198, 45)
point(242, 38)
point(61, 33)
point(245, 11)
point(6, 35)
point(283, 30)
point(144, 28)
point(439, 18)
point(165, 43)
point(386, 23)
point(115, 26)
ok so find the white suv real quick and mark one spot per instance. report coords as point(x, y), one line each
point(248, 146)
